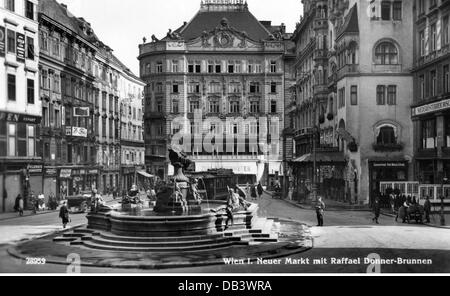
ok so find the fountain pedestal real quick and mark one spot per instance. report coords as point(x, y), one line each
point(181, 196)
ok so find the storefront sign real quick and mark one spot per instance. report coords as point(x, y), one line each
point(82, 172)
point(93, 172)
point(76, 132)
point(13, 117)
point(389, 164)
point(65, 173)
point(20, 47)
point(443, 105)
point(35, 169)
point(50, 172)
point(81, 112)
point(2, 41)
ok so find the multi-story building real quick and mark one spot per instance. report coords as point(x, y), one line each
point(228, 65)
point(107, 69)
point(431, 106)
point(370, 71)
point(132, 129)
point(67, 86)
point(20, 107)
point(318, 163)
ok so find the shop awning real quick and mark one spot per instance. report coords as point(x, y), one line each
point(145, 174)
point(322, 157)
point(344, 134)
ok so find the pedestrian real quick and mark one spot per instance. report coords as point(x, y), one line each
point(64, 215)
point(427, 209)
point(376, 210)
point(253, 192)
point(232, 205)
point(16, 203)
point(21, 205)
point(260, 190)
point(320, 209)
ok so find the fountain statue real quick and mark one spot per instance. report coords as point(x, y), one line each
point(181, 195)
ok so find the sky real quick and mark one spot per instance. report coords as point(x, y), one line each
point(121, 24)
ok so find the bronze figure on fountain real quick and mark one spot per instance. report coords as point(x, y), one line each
point(181, 196)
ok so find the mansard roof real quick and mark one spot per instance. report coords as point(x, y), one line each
point(211, 14)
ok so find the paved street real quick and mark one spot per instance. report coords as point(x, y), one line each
point(349, 234)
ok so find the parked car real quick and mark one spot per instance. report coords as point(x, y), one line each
point(79, 203)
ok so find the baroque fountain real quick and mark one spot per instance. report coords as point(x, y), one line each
point(179, 231)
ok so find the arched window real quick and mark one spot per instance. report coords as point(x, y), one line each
point(386, 53)
point(387, 136)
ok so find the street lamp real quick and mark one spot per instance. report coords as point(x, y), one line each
point(444, 180)
point(314, 185)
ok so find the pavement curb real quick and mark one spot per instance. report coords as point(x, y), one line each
point(37, 214)
point(424, 224)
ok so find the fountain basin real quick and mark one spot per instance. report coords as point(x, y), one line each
point(142, 225)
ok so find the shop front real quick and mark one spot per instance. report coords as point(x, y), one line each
point(385, 171)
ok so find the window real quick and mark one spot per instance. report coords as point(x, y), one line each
point(433, 38)
point(386, 136)
point(214, 106)
point(175, 66)
point(397, 10)
point(159, 67)
point(429, 134)
point(175, 88)
point(273, 107)
point(11, 139)
point(218, 68)
point(30, 48)
point(175, 107)
point(29, 10)
point(381, 95)
point(193, 106)
point(11, 87)
point(235, 107)
point(273, 67)
point(342, 97)
point(254, 107)
point(354, 95)
point(194, 88)
point(433, 83)
point(255, 87)
point(421, 6)
point(234, 87)
point(214, 87)
point(231, 67)
point(11, 41)
point(446, 76)
point(273, 87)
point(210, 67)
point(10, 5)
point(422, 43)
point(159, 107)
point(30, 91)
point(159, 87)
point(44, 43)
point(446, 31)
point(392, 95)
point(422, 87)
point(31, 141)
point(385, 10)
point(386, 54)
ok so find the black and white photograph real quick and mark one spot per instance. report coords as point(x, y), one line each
point(224, 137)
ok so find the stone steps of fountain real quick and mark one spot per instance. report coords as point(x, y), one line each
point(109, 236)
point(62, 239)
point(164, 249)
point(167, 244)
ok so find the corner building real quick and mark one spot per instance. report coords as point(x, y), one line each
point(229, 65)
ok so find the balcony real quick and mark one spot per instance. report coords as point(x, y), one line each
point(445, 50)
point(388, 147)
point(347, 70)
point(321, 89)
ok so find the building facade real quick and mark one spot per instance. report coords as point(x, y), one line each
point(20, 107)
point(67, 86)
point(430, 110)
point(372, 74)
point(228, 66)
point(132, 130)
